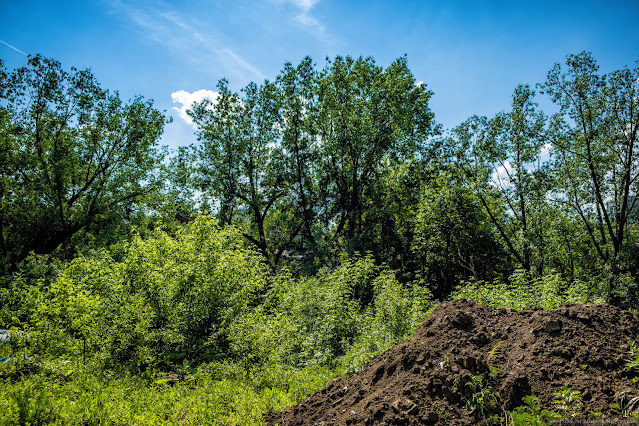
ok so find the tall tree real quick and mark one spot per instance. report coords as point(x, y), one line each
point(594, 140)
point(220, 149)
point(513, 147)
point(501, 158)
point(74, 156)
point(241, 162)
point(297, 86)
point(367, 115)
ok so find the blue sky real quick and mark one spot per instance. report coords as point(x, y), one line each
point(472, 54)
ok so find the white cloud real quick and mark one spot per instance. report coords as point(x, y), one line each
point(308, 21)
point(197, 42)
point(303, 17)
point(304, 5)
point(188, 99)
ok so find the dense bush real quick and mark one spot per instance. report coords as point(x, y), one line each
point(522, 289)
point(348, 314)
point(198, 310)
point(168, 298)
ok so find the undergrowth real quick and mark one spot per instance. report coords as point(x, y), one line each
point(523, 290)
point(212, 394)
point(136, 341)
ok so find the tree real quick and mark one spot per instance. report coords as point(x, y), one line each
point(297, 87)
point(392, 204)
point(513, 147)
point(594, 141)
point(74, 157)
point(454, 239)
point(219, 154)
point(501, 159)
point(241, 161)
point(367, 116)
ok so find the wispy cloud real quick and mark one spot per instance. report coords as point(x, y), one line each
point(187, 100)
point(303, 16)
point(198, 43)
point(14, 48)
point(308, 21)
point(305, 5)
point(234, 57)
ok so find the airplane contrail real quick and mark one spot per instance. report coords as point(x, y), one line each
point(14, 48)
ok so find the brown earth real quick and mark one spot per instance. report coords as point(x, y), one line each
point(432, 378)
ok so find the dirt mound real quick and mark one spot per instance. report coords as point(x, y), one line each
point(467, 362)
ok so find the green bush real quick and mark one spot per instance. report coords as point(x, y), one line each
point(523, 290)
point(169, 298)
point(326, 320)
point(201, 305)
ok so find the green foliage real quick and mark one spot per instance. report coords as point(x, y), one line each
point(483, 397)
point(74, 159)
point(595, 154)
point(568, 401)
point(368, 117)
point(522, 290)
point(531, 413)
point(633, 352)
point(396, 313)
point(169, 298)
point(240, 163)
point(499, 159)
point(174, 302)
point(30, 404)
point(214, 394)
point(352, 312)
point(453, 238)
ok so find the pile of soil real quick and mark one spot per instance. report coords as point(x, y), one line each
point(434, 377)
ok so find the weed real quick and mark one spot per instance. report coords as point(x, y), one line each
point(495, 350)
point(594, 414)
point(442, 413)
point(456, 383)
point(531, 413)
point(633, 351)
point(33, 403)
point(615, 408)
point(493, 373)
point(483, 397)
point(445, 362)
point(568, 401)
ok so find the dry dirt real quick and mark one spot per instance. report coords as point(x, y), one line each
point(431, 378)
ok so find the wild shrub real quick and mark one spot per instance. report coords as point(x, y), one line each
point(523, 290)
point(322, 320)
point(169, 298)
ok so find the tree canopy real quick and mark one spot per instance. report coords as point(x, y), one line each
point(73, 156)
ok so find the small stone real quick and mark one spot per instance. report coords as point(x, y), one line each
point(553, 326)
